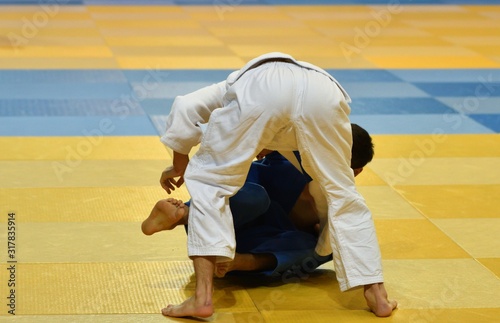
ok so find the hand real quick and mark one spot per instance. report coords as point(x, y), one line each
point(179, 165)
point(168, 181)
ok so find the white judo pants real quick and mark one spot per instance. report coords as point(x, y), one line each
point(274, 106)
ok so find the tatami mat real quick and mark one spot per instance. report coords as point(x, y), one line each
point(392, 36)
point(85, 88)
point(81, 242)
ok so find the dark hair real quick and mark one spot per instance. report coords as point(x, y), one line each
point(362, 147)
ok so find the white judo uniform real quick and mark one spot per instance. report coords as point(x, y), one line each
point(277, 103)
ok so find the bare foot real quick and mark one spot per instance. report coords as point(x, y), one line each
point(376, 298)
point(166, 215)
point(222, 268)
point(246, 262)
point(189, 308)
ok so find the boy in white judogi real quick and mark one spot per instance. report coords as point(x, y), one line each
point(277, 103)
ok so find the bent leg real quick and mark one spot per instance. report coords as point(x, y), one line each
point(252, 115)
point(249, 203)
point(165, 215)
point(247, 262)
point(272, 246)
point(293, 251)
point(233, 137)
point(324, 138)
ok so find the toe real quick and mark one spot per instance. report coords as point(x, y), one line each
point(166, 310)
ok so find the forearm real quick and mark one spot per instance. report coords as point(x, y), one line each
point(180, 162)
point(188, 112)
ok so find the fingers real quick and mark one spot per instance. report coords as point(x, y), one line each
point(180, 181)
point(168, 181)
point(168, 184)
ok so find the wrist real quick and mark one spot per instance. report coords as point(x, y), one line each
point(180, 162)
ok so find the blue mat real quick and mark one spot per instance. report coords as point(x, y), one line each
point(70, 102)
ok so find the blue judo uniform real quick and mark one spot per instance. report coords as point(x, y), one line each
point(261, 217)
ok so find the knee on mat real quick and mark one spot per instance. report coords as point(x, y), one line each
point(252, 197)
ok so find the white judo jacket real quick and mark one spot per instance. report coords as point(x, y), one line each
point(278, 103)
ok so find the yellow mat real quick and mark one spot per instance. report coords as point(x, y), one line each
point(137, 37)
point(79, 241)
point(78, 205)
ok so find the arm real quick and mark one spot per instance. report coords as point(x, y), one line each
point(304, 214)
point(188, 112)
point(183, 130)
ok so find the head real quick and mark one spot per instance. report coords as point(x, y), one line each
point(362, 148)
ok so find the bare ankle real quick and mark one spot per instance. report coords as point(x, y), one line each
point(377, 300)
